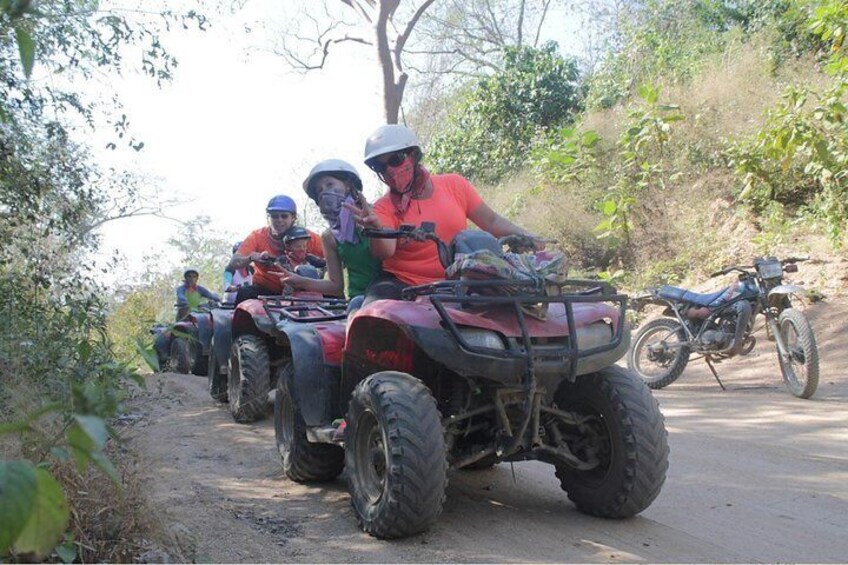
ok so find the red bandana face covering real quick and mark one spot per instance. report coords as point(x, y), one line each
point(406, 181)
point(296, 257)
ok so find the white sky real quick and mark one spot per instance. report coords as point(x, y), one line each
point(236, 127)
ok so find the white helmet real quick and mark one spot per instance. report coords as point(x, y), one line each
point(388, 139)
point(331, 166)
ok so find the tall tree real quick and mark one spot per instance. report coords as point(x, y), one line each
point(442, 39)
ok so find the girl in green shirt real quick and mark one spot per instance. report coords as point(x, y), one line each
point(331, 184)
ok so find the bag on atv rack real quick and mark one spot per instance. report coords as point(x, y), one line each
point(485, 264)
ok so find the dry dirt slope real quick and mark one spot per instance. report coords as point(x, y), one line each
point(219, 488)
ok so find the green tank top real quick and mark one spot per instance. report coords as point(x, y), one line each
point(360, 266)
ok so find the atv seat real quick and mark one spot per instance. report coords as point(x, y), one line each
point(468, 241)
point(677, 294)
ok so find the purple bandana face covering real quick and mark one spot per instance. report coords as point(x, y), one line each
point(339, 218)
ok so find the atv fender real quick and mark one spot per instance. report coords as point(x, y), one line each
point(251, 316)
point(204, 331)
point(316, 354)
point(784, 289)
point(222, 324)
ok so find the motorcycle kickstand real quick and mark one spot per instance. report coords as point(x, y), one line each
point(710, 365)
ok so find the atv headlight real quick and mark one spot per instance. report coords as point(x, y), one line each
point(482, 338)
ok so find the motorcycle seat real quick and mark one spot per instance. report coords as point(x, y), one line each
point(677, 294)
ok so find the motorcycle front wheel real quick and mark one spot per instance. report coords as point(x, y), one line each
point(800, 368)
point(659, 353)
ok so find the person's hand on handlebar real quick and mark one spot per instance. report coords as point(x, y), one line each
point(263, 257)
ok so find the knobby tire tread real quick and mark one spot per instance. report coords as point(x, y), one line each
point(417, 472)
point(302, 460)
point(677, 367)
point(807, 340)
point(637, 427)
point(248, 390)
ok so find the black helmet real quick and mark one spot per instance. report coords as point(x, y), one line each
point(295, 233)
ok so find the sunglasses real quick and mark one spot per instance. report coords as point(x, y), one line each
point(394, 160)
point(279, 216)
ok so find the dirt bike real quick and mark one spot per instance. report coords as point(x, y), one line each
point(246, 349)
point(720, 325)
point(182, 347)
point(461, 375)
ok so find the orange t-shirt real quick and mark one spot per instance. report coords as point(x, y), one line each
point(260, 240)
point(448, 207)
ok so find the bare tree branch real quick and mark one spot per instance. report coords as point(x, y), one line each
point(546, 5)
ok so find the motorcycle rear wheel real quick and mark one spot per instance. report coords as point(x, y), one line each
point(669, 363)
point(801, 370)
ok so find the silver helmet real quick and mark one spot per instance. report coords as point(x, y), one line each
point(330, 167)
point(388, 139)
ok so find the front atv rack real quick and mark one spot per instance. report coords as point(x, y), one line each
point(540, 292)
point(465, 293)
point(299, 309)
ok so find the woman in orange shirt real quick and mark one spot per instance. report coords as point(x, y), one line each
point(415, 196)
point(265, 244)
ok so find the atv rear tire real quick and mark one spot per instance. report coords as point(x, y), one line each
point(395, 455)
point(217, 380)
point(180, 358)
point(630, 440)
point(249, 381)
point(672, 361)
point(302, 460)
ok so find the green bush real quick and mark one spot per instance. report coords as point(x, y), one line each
point(492, 126)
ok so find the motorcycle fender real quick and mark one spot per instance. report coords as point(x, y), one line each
point(204, 331)
point(784, 289)
point(222, 324)
point(316, 384)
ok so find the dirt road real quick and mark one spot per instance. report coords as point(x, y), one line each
point(755, 475)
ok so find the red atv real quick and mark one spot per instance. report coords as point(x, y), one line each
point(459, 375)
point(183, 347)
point(247, 349)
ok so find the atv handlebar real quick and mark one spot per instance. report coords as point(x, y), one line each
point(517, 243)
point(742, 268)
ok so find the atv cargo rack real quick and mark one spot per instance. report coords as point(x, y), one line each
point(299, 309)
point(463, 292)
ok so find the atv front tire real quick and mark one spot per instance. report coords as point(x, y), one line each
point(248, 382)
point(180, 357)
point(302, 460)
point(625, 432)
point(395, 455)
